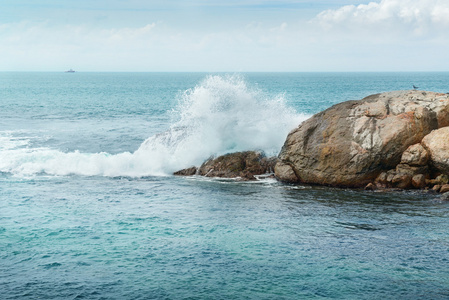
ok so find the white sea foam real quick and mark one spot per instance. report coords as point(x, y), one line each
point(220, 115)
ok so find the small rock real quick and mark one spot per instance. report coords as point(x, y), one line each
point(444, 189)
point(370, 187)
point(431, 182)
point(419, 181)
point(442, 179)
point(411, 170)
point(239, 164)
point(390, 175)
point(246, 176)
point(402, 181)
point(381, 179)
point(415, 155)
point(186, 172)
point(436, 188)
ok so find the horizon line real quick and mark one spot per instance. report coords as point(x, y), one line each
point(99, 71)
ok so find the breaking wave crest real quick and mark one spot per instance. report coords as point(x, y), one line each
point(222, 114)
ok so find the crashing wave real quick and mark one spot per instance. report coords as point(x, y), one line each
point(221, 114)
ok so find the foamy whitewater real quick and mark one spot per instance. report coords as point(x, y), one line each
point(222, 114)
point(89, 208)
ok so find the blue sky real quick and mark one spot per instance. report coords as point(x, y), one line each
point(230, 36)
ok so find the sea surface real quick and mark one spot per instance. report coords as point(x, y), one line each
point(89, 208)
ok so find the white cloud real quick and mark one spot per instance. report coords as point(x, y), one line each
point(123, 34)
point(417, 17)
point(43, 46)
point(280, 28)
point(378, 36)
point(33, 34)
point(155, 46)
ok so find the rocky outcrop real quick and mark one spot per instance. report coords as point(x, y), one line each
point(390, 140)
point(355, 143)
point(241, 165)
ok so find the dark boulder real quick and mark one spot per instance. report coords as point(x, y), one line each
point(242, 165)
point(186, 172)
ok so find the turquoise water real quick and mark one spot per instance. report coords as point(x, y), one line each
point(89, 210)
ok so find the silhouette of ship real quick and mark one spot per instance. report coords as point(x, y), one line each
point(70, 71)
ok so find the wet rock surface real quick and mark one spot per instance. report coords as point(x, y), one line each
point(187, 172)
point(242, 165)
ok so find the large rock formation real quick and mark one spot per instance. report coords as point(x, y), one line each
point(241, 165)
point(351, 143)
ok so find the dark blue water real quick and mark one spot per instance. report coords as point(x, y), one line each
point(88, 210)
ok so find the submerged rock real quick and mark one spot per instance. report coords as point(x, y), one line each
point(351, 143)
point(241, 165)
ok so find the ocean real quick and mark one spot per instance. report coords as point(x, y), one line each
point(89, 208)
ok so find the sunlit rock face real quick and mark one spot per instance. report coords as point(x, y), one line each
point(351, 143)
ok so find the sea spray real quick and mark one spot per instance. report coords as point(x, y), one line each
point(221, 114)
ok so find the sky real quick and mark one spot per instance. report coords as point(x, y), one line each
point(224, 36)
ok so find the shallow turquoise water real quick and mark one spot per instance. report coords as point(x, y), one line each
point(155, 236)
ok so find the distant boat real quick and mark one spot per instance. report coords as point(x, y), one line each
point(70, 71)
